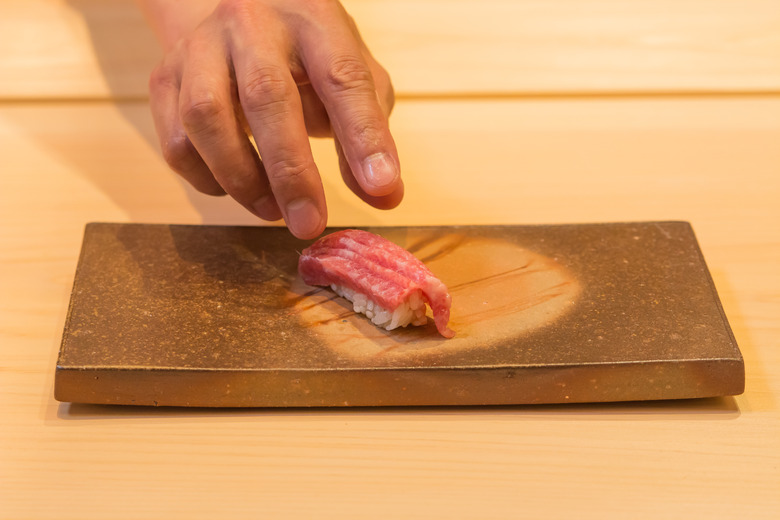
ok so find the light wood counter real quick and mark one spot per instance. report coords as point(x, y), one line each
point(674, 117)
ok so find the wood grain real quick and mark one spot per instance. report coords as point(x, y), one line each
point(87, 49)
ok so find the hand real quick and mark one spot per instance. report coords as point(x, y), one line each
point(281, 70)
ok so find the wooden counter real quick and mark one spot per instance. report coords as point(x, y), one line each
point(508, 112)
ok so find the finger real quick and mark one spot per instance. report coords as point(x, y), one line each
point(389, 201)
point(177, 149)
point(334, 60)
point(270, 100)
point(314, 113)
point(206, 105)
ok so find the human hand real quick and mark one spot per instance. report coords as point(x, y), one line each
point(281, 70)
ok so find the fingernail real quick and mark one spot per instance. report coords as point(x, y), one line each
point(380, 170)
point(303, 218)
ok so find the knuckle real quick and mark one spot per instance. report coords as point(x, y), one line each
point(366, 131)
point(287, 170)
point(265, 92)
point(349, 73)
point(200, 110)
point(178, 152)
point(161, 78)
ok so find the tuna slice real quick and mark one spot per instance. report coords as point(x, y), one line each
point(381, 279)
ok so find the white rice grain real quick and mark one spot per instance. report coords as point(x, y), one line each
point(411, 312)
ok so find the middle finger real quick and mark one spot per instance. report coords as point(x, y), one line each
point(272, 105)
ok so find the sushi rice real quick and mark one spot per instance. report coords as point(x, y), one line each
point(410, 312)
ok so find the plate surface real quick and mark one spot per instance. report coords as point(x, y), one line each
point(217, 316)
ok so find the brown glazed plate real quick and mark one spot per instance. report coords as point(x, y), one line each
point(176, 315)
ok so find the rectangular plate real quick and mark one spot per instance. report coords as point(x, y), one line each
point(218, 316)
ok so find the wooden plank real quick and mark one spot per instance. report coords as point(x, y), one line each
point(478, 162)
point(569, 46)
point(714, 162)
point(74, 49)
point(94, 49)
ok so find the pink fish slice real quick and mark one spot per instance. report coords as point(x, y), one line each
point(382, 280)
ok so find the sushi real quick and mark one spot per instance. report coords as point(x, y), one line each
point(381, 279)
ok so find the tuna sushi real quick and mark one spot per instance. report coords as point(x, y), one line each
point(381, 279)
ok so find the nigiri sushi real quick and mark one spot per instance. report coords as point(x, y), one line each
point(381, 279)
